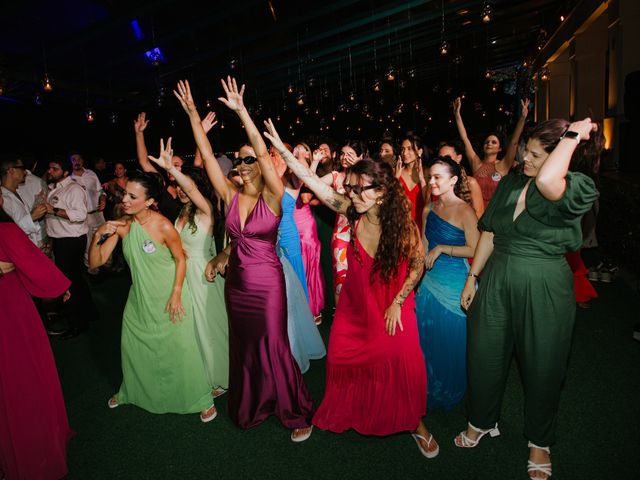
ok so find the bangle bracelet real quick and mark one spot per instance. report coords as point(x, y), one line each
point(398, 302)
point(473, 275)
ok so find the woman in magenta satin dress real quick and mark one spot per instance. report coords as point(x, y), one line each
point(264, 378)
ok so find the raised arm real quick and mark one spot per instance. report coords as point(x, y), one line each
point(477, 202)
point(324, 192)
point(223, 187)
point(187, 185)
point(235, 102)
point(512, 148)
point(473, 157)
point(139, 125)
point(208, 122)
point(551, 181)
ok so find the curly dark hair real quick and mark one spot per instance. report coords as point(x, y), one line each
point(204, 186)
point(586, 156)
point(399, 234)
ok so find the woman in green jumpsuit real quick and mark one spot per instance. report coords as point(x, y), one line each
point(524, 305)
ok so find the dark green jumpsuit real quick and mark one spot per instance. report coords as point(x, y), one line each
point(525, 303)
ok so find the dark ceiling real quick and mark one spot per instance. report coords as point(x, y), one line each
point(94, 52)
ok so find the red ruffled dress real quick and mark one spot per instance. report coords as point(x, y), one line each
point(376, 383)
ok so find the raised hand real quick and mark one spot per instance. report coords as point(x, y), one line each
point(584, 128)
point(525, 107)
point(234, 96)
point(166, 154)
point(208, 122)
point(457, 104)
point(183, 94)
point(140, 123)
point(318, 155)
point(272, 135)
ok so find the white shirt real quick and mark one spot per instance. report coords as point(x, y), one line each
point(17, 209)
point(33, 190)
point(90, 182)
point(71, 197)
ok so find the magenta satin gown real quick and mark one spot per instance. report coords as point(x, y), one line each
point(264, 378)
point(34, 429)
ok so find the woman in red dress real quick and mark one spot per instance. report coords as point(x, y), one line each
point(34, 429)
point(376, 377)
point(411, 175)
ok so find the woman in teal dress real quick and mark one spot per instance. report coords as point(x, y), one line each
point(162, 369)
point(195, 224)
point(450, 237)
point(524, 305)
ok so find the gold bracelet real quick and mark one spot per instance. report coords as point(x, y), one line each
point(398, 302)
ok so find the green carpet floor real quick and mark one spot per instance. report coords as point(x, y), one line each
point(598, 427)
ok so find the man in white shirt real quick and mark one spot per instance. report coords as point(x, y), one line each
point(96, 199)
point(26, 214)
point(66, 206)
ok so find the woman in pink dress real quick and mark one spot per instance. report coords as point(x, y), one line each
point(310, 243)
point(490, 169)
point(34, 429)
point(376, 377)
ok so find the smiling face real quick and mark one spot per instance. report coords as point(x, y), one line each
point(491, 145)
point(534, 157)
point(135, 199)
point(326, 153)
point(248, 172)
point(441, 181)
point(408, 153)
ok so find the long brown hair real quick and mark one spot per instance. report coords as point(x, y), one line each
point(464, 190)
point(398, 235)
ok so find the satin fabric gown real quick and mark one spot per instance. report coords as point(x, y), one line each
point(417, 201)
point(310, 255)
point(34, 429)
point(304, 338)
point(339, 243)
point(162, 369)
point(441, 321)
point(209, 310)
point(376, 384)
point(264, 378)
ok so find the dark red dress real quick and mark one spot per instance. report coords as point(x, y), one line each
point(376, 383)
point(34, 429)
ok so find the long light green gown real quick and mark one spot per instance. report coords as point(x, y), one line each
point(162, 368)
point(209, 310)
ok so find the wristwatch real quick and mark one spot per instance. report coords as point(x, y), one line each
point(55, 211)
point(571, 134)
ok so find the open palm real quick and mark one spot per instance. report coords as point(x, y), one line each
point(166, 154)
point(234, 96)
point(183, 94)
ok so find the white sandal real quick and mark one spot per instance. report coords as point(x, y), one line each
point(113, 403)
point(544, 468)
point(462, 441)
point(417, 437)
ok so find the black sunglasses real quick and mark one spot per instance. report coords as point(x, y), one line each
point(358, 189)
point(245, 160)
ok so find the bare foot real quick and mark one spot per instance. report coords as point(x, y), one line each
point(429, 445)
point(301, 434)
point(540, 457)
point(209, 414)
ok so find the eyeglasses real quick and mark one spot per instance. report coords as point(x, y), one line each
point(358, 189)
point(245, 160)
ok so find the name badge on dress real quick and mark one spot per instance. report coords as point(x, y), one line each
point(148, 246)
point(496, 176)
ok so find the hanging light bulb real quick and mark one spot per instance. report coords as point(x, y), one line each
point(300, 99)
point(312, 82)
point(172, 123)
point(412, 72)
point(113, 118)
point(391, 73)
point(90, 115)
point(545, 74)
point(325, 93)
point(526, 63)
point(233, 63)
point(487, 12)
point(47, 84)
point(376, 85)
point(444, 47)
point(222, 125)
point(487, 74)
point(207, 103)
point(352, 96)
point(562, 17)
point(457, 60)
point(494, 88)
point(37, 99)
point(290, 88)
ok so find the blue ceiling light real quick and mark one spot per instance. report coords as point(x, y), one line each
point(137, 31)
point(154, 56)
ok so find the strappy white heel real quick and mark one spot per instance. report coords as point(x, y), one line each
point(427, 453)
point(544, 468)
point(462, 441)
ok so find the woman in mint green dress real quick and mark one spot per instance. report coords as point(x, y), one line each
point(525, 305)
point(162, 369)
point(195, 224)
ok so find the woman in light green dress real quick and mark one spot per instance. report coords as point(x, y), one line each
point(195, 224)
point(162, 370)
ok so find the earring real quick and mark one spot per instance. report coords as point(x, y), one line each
point(379, 201)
